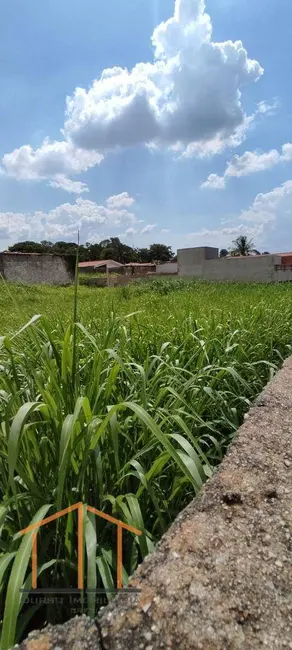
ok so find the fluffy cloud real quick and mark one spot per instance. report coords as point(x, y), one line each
point(286, 152)
point(130, 231)
point(74, 187)
point(220, 142)
point(268, 108)
point(14, 226)
point(214, 182)
point(53, 161)
point(122, 200)
point(148, 228)
point(64, 221)
point(269, 212)
point(234, 231)
point(222, 237)
point(188, 99)
point(249, 163)
point(267, 207)
point(190, 93)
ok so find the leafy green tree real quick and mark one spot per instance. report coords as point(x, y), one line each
point(223, 252)
point(93, 251)
point(143, 255)
point(160, 253)
point(111, 248)
point(26, 247)
point(242, 246)
point(114, 249)
point(47, 245)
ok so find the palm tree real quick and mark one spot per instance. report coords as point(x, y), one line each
point(242, 246)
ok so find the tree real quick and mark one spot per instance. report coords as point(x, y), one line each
point(109, 253)
point(143, 255)
point(47, 245)
point(114, 249)
point(26, 247)
point(64, 248)
point(111, 248)
point(160, 253)
point(242, 246)
point(223, 252)
point(93, 251)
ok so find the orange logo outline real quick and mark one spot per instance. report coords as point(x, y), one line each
point(79, 506)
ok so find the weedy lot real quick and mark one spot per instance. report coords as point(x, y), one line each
point(130, 410)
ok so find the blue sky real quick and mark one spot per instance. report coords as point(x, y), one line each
point(186, 138)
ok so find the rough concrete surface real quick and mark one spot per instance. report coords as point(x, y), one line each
point(221, 578)
point(78, 634)
point(203, 262)
point(33, 268)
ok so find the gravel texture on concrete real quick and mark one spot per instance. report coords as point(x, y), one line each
point(221, 578)
point(80, 633)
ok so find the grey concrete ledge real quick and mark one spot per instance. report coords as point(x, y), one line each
point(221, 578)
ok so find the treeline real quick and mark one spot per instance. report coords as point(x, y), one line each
point(108, 249)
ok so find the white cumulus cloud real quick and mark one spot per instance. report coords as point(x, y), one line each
point(271, 205)
point(267, 222)
point(190, 93)
point(64, 221)
point(215, 182)
point(188, 99)
point(148, 228)
point(123, 200)
point(223, 237)
point(249, 163)
point(53, 161)
point(74, 187)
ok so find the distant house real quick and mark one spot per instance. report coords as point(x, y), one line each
point(101, 266)
point(139, 268)
point(286, 259)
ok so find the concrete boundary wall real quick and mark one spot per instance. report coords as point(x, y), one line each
point(257, 269)
point(33, 268)
point(204, 263)
point(221, 578)
point(169, 268)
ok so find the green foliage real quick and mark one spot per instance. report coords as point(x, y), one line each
point(108, 249)
point(160, 253)
point(129, 410)
point(242, 246)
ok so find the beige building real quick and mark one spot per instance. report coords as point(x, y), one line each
point(203, 262)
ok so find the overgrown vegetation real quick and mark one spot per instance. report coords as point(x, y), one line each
point(129, 411)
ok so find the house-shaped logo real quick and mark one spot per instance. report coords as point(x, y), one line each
point(80, 507)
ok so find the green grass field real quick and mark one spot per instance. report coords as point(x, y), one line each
point(130, 411)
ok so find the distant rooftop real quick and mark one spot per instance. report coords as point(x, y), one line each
point(140, 264)
point(99, 263)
